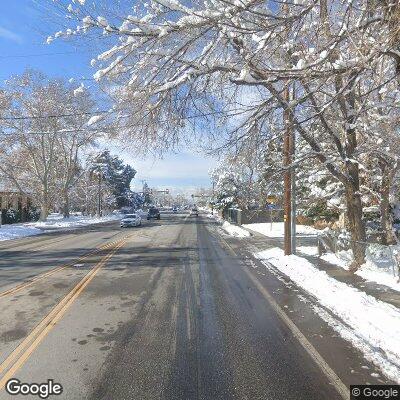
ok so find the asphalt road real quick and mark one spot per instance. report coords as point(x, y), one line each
point(170, 310)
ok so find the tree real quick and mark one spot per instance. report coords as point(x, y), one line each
point(201, 54)
point(115, 174)
point(44, 134)
point(235, 184)
point(70, 145)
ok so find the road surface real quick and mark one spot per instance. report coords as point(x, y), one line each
point(170, 310)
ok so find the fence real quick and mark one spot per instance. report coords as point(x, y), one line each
point(385, 257)
point(240, 217)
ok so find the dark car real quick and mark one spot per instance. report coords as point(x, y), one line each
point(153, 213)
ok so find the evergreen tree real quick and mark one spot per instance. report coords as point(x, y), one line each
point(116, 175)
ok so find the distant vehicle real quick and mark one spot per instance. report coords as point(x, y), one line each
point(131, 220)
point(194, 211)
point(174, 210)
point(153, 213)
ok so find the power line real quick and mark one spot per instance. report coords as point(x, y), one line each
point(53, 116)
point(41, 54)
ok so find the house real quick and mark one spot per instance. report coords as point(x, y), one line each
point(11, 198)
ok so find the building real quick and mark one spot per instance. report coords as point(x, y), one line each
point(11, 199)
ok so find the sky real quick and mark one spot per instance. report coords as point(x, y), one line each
point(24, 28)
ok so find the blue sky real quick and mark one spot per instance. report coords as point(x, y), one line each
point(24, 27)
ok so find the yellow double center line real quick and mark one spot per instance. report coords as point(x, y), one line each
point(21, 353)
point(40, 277)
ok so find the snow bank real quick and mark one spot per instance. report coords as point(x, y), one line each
point(374, 270)
point(369, 324)
point(215, 216)
point(235, 230)
point(334, 259)
point(8, 232)
point(371, 272)
point(57, 221)
point(54, 222)
point(276, 229)
point(309, 250)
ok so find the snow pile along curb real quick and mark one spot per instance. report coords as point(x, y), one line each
point(276, 229)
point(55, 222)
point(235, 230)
point(371, 325)
point(9, 232)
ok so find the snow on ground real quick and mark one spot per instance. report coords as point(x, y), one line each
point(275, 230)
point(378, 270)
point(54, 222)
point(8, 232)
point(309, 250)
point(370, 272)
point(235, 230)
point(57, 221)
point(334, 259)
point(371, 325)
point(215, 216)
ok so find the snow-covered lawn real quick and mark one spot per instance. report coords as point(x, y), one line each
point(371, 325)
point(235, 230)
point(54, 222)
point(378, 267)
point(374, 270)
point(276, 229)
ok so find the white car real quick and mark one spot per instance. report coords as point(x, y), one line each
point(194, 211)
point(131, 220)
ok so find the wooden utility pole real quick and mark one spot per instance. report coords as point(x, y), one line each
point(99, 208)
point(288, 152)
point(287, 161)
point(293, 188)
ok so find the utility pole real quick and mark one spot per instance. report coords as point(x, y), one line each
point(289, 177)
point(212, 199)
point(99, 210)
point(293, 186)
point(287, 160)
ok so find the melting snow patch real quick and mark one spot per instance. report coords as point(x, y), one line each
point(371, 325)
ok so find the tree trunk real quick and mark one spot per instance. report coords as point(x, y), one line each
point(66, 211)
point(356, 226)
point(386, 217)
point(44, 211)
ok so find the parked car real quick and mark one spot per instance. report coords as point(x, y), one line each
point(153, 213)
point(194, 211)
point(131, 220)
point(174, 210)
